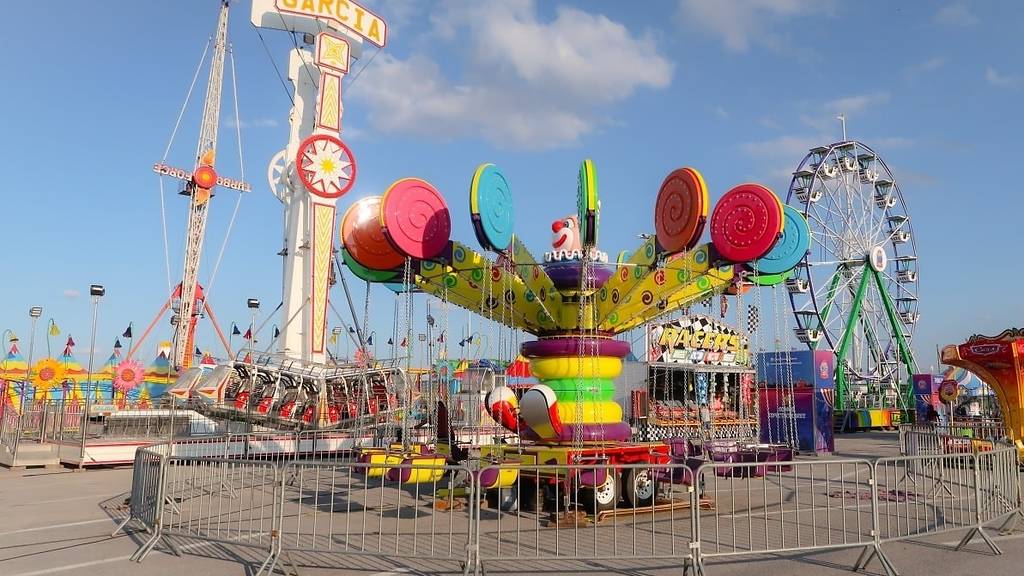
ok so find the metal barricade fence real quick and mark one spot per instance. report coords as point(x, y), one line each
point(633, 511)
point(920, 443)
point(1000, 487)
point(308, 512)
point(923, 495)
point(776, 507)
point(144, 504)
point(406, 510)
point(220, 500)
point(8, 426)
point(977, 429)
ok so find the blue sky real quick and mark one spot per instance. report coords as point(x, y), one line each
point(738, 89)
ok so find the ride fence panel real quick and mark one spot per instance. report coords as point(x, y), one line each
point(221, 500)
point(147, 484)
point(34, 416)
point(268, 447)
point(766, 507)
point(8, 426)
point(225, 446)
point(920, 442)
point(977, 429)
point(595, 511)
point(398, 510)
point(999, 487)
point(927, 494)
point(326, 445)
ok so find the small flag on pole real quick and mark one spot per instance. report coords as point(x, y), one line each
point(127, 331)
point(391, 342)
point(404, 343)
point(198, 352)
point(117, 343)
point(369, 340)
point(351, 330)
point(70, 342)
point(441, 338)
point(276, 332)
point(234, 330)
point(248, 334)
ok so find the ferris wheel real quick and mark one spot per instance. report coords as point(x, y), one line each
point(856, 291)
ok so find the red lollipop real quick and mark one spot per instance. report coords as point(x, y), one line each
point(746, 223)
point(681, 210)
point(415, 218)
point(364, 239)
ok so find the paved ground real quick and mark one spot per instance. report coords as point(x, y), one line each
point(59, 522)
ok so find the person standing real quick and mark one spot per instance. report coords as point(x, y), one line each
point(705, 420)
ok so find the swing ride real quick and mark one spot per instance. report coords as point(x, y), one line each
point(576, 302)
point(855, 292)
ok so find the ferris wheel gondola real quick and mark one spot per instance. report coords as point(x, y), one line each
point(856, 290)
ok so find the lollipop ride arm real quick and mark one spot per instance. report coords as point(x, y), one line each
point(714, 282)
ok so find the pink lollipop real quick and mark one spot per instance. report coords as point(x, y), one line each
point(415, 218)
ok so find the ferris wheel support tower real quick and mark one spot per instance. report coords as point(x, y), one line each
point(316, 167)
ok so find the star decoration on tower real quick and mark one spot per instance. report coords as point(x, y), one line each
point(326, 166)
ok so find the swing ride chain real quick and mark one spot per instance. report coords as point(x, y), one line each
point(407, 392)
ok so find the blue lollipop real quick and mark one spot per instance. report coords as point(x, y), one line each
point(790, 249)
point(490, 204)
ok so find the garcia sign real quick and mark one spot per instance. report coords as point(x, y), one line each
point(699, 340)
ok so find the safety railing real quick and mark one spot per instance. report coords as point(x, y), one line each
point(791, 507)
point(584, 512)
point(923, 438)
point(314, 505)
point(404, 511)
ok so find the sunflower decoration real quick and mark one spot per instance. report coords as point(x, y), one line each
point(47, 373)
point(128, 375)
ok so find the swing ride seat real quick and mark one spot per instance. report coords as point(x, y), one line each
point(726, 452)
point(497, 476)
point(768, 453)
point(418, 469)
point(679, 453)
point(376, 456)
point(592, 477)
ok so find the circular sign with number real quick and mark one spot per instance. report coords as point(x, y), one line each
point(948, 391)
point(326, 166)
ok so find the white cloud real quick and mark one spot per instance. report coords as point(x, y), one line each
point(72, 293)
point(788, 147)
point(776, 158)
point(929, 65)
point(995, 78)
point(254, 123)
point(856, 103)
point(720, 112)
point(824, 118)
point(742, 23)
point(525, 82)
point(956, 14)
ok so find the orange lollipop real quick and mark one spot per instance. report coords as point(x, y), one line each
point(363, 236)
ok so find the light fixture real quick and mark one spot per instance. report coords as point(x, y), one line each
point(35, 311)
point(97, 290)
point(252, 303)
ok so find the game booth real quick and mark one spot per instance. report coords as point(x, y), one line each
point(696, 362)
